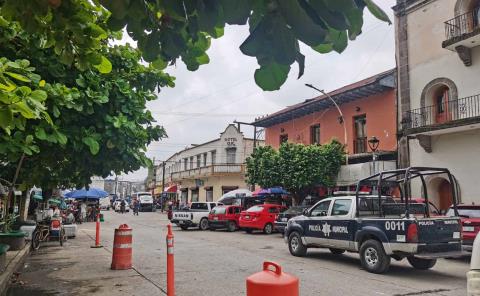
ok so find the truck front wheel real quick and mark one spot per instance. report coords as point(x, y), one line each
point(295, 245)
point(420, 263)
point(373, 257)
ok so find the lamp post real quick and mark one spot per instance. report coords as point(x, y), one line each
point(339, 111)
point(373, 143)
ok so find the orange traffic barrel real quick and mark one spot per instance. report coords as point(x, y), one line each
point(122, 248)
point(271, 281)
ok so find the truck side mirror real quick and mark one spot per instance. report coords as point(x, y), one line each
point(305, 212)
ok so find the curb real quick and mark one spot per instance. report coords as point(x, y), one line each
point(15, 264)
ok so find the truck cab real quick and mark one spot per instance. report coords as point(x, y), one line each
point(377, 226)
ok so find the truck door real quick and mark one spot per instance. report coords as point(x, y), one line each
point(339, 224)
point(313, 225)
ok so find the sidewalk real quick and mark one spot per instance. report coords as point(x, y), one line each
point(14, 261)
point(77, 269)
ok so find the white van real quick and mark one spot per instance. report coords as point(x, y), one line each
point(146, 201)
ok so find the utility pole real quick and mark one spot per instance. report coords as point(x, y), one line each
point(116, 184)
point(163, 176)
point(339, 111)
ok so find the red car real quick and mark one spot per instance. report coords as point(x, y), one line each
point(470, 215)
point(260, 217)
point(222, 217)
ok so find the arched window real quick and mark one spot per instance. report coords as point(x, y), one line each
point(439, 101)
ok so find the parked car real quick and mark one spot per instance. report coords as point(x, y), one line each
point(196, 215)
point(470, 217)
point(282, 219)
point(377, 227)
point(116, 205)
point(260, 217)
point(224, 217)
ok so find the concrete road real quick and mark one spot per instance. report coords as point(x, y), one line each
point(216, 264)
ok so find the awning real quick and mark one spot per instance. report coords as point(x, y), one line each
point(172, 188)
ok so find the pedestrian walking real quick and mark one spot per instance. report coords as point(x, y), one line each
point(122, 206)
point(136, 207)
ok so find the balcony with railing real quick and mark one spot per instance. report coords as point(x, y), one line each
point(452, 113)
point(463, 30)
point(211, 170)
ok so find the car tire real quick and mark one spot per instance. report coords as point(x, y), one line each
point(268, 228)
point(295, 245)
point(203, 225)
point(420, 263)
point(183, 227)
point(232, 226)
point(373, 257)
point(336, 251)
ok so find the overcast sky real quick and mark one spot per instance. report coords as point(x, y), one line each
point(205, 101)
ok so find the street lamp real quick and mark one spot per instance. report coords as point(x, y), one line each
point(373, 143)
point(339, 111)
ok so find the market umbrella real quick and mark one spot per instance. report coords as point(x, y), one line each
point(273, 190)
point(230, 196)
point(92, 193)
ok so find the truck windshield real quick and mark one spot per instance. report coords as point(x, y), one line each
point(199, 206)
point(219, 210)
point(255, 209)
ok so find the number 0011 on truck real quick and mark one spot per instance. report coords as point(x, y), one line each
point(378, 227)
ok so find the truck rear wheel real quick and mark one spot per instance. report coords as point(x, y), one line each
point(232, 226)
point(420, 263)
point(295, 245)
point(373, 257)
point(203, 224)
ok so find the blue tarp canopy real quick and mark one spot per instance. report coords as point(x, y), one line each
point(92, 193)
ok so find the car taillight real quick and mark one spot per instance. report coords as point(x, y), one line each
point(412, 233)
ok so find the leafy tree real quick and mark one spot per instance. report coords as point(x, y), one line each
point(99, 123)
point(168, 30)
point(296, 167)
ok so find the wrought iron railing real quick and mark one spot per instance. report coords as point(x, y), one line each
point(449, 111)
point(360, 145)
point(209, 170)
point(463, 24)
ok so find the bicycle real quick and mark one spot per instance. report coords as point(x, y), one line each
point(43, 233)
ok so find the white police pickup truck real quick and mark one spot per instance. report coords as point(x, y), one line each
point(196, 215)
point(377, 227)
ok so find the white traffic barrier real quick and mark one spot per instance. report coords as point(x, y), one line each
point(473, 276)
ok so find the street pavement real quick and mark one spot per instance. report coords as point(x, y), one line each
point(214, 263)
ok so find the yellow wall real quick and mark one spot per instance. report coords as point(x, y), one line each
point(216, 183)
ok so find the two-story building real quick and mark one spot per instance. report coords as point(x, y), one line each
point(369, 110)
point(204, 172)
point(438, 56)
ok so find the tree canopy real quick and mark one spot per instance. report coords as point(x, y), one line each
point(74, 104)
point(296, 167)
point(98, 124)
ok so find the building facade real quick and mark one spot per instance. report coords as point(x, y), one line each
point(369, 109)
point(438, 61)
point(206, 171)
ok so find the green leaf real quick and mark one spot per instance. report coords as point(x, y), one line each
point(300, 58)
point(92, 144)
point(62, 139)
point(377, 11)
point(18, 76)
point(40, 133)
point(271, 76)
point(159, 64)
point(42, 83)
point(29, 139)
point(39, 95)
point(105, 66)
point(236, 12)
point(323, 48)
point(25, 110)
point(6, 117)
point(203, 59)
